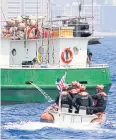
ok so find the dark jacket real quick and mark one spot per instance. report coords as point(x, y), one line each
point(101, 100)
point(82, 100)
point(65, 99)
point(73, 92)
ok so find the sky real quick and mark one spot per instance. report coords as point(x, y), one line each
point(63, 2)
point(108, 21)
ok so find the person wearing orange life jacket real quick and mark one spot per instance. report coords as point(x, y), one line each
point(82, 99)
point(101, 100)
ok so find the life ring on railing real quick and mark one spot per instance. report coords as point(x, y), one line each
point(34, 36)
point(69, 55)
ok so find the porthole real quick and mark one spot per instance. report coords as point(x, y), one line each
point(75, 50)
point(14, 52)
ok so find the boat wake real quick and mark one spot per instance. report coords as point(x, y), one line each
point(32, 126)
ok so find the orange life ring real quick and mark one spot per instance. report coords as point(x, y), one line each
point(65, 60)
point(35, 36)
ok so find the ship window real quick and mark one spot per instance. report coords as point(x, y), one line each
point(14, 52)
point(75, 50)
point(83, 82)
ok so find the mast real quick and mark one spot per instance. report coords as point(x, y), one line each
point(49, 21)
point(48, 10)
point(80, 9)
point(78, 22)
point(37, 31)
point(92, 18)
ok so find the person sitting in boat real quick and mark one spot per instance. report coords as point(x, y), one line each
point(100, 100)
point(75, 89)
point(65, 97)
point(82, 99)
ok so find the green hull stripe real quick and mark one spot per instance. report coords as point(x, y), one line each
point(13, 87)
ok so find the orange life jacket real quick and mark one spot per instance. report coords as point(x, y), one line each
point(83, 93)
point(74, 91)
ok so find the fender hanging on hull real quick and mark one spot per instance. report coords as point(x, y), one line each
point(47, 117)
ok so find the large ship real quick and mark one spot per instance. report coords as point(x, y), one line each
point(44, 56)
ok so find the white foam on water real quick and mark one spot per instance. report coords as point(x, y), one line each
point(31, 126)
point(25, 126)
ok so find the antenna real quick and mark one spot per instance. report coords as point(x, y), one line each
point(80, 6)
point(79, 9)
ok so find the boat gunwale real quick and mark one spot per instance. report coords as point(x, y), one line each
point(59, 37)
point(51, 111)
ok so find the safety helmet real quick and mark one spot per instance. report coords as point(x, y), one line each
point(65, 87)
point(101, 87)
point(74, 83)
point(82, 88)
point(78, 85)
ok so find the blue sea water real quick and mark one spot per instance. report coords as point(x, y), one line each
point(21, 121)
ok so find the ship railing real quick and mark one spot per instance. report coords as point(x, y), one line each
point(54, 66)
point(99, 65)
point(83, 66)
